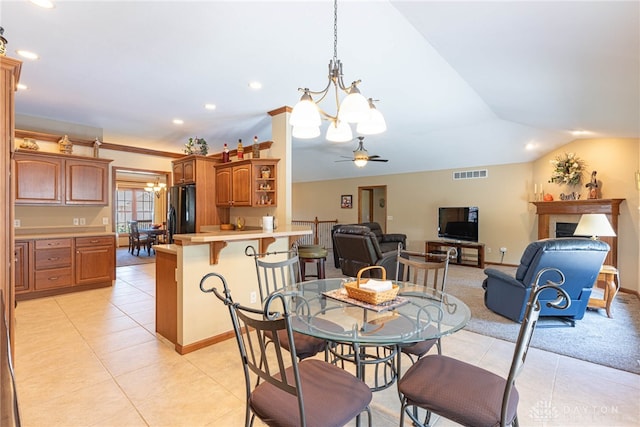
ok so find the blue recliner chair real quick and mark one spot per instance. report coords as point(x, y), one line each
point(580, 260)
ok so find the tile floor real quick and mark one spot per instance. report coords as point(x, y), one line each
point(92, 359)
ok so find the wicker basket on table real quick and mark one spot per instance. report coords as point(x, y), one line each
point(367, 295)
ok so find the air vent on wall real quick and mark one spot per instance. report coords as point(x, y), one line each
point(482, 173)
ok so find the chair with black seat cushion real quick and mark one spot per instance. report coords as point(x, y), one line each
point(579, 258)
point(357, 247)
point(276, 275)
point(470, 395)
point(138, 239)
point(288, 393)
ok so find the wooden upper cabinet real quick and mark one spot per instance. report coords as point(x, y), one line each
point(233, 185)
point(87, 183)
point(56, 179)
point(184, 171)
point(39, 179)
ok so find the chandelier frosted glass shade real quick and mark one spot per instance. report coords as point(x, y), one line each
point(305, 113)
point(339, 132)
point(374, 124)
point(354, 107)
point(305, 132)
point(360, 162)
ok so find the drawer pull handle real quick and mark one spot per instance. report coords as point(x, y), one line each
point(54, 244)
point(94, 241)
point(53, 278)
point(53, 259)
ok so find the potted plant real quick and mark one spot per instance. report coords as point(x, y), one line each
point(196, 146)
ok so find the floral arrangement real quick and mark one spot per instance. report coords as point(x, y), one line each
point(196, 146)
point(567, 169)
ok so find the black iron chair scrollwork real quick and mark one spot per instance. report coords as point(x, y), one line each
point(468, 394)
point(311, 392)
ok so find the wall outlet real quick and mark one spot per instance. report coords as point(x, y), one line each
point(83, 221)
point(105, 220)
point(389, 217)
point(16, 223)
point(76, 221)
point(503, 249)
point(488, 250)
point(253, 297)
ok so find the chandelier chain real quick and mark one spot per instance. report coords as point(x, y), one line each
point(335, 30)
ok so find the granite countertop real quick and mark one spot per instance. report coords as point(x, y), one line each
point(212, 233)
point(61, 235)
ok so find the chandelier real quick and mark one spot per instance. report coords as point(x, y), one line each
point(307, 116)
point(155, 187)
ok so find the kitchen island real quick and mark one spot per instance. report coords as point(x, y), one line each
point(186, 316)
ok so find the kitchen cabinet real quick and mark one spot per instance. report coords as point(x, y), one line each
point(51, 266)
point(95, 259)
point(184, 171)
point(250, 182)
point(233, 185)
point(60, 180)
point(22, 282)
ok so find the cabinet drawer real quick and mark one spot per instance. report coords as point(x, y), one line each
point(53, 278)
point(53, 243)
point(94, 241)
point(52, 258)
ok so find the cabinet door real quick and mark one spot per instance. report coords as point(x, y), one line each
point(94, 264)
point(223, 187)
point(86, 183)
point(184, 171)
point(241, 185)
point(39, 180)
point(22, 284)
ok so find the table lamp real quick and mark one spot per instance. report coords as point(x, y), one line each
point(594, 225)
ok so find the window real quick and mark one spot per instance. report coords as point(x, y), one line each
point(133, 204)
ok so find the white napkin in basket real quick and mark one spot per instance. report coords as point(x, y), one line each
point(377, 285)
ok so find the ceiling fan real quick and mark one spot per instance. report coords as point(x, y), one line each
point(361, 156)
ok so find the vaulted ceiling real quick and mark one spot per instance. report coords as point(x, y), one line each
point(461, 84)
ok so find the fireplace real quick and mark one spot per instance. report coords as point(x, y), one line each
point(569, 211)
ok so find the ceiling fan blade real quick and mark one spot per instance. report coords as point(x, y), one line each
point(373, 157)
point(350, 160)
point(378, 160)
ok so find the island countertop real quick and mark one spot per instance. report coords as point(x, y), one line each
point(212, 233)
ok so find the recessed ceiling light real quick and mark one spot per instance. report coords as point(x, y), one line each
point(210, 106)
point(178, 121)
point(26, 54)
point(530, 146)
point(47, 4)
point(255, 85)
point(580, 132)
point(22, 86)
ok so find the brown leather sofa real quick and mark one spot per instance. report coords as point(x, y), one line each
point(387, 242)
point(356, 247)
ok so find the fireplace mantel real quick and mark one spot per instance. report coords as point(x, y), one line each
point(609, 207)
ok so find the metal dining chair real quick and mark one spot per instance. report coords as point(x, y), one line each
point(470, 395)
point(289, 393)
point(277, 275)
point(430, 274)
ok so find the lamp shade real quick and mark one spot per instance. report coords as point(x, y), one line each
point(339, 132)
point(594, 225)
point(354, 107)
point(305, 132)
point(305, 113)
point(374, 124)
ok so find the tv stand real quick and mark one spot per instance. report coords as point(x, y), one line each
point(441, 246)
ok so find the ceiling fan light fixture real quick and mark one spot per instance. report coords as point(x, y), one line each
point(339, 131)
point(305, 113)
point(375, 122)
point(360, 162)
point(305, 132)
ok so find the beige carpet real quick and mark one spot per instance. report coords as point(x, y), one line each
point(596, 338)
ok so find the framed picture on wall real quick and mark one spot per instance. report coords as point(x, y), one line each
point(346, 201)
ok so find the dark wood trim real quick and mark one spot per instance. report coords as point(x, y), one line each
point(285, 109)
point(184, 349)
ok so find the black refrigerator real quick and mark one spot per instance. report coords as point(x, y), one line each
point(181, 217)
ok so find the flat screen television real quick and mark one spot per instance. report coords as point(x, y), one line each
point(458, 223)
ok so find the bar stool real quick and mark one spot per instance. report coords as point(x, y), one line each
point(611, 278)
point(312, 253)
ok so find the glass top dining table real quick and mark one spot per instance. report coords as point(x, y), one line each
point(418, 313)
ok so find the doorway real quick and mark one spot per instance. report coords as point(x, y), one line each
point(372, 205)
